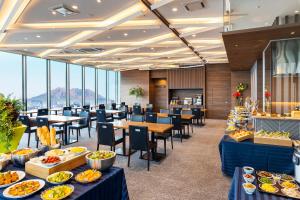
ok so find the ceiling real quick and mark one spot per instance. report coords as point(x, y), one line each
point(126, 34)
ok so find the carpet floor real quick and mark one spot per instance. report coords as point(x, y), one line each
point(191, 171)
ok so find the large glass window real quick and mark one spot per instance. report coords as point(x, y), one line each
point(89, 92)
point(58, 84)
point(111, 87)
point(101, 86)
point(36, 83)
point(75, 85)
point(11, 74)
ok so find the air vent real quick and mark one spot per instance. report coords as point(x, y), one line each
point(64, 10)
point(90, 50)
point(195, 5)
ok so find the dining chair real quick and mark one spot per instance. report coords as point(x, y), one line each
point(67, 108)
point(136, 110)
point(149, 108)
point(121, 115)
point(123, 104)
point(101, 106)
point(164, 137)
point(197, 114)
point(42, 112)
point(29, 129)
point(139, 141)
point(164, 111)
point(137, 118)
point(177, 111)
point(187, 122)
point(177, 124)
point(151, 117)
point(102, 117)
point(86, 108)
point(83, 123)
point(106, 136)
point(113, 106)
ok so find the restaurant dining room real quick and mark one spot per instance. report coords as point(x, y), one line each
point(150, 99)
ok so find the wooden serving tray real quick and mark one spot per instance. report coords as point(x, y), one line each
point(241, 138)
point(42, 171)
point(272, 141)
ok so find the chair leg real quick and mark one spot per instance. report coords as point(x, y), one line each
point(111, 148)
point(172, 140)
point(78, 130)
point(28, 143)
point(148, 162)
point(165, 146)
point(141, 154)
point(77, 134)
point(129, 153)
point(180, 135)
point(97, 147)
point(89, 132)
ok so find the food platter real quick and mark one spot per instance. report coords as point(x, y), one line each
point(19, 174)
point(33, 185)
point(88, 176)
point(59, 177)
point(77, 150)
point(57, 192)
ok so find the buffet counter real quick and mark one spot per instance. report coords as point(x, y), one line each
point(287, 124)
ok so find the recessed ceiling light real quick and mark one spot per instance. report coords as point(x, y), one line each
point(296, 11)
point(99, 1)
point(38, 36)
point(236, 45)
point(53, 12)
point(144, 31)
point(25, 38)
point(75, 7)
point(174, 9)
point(125, 34)
point(152, 48)
point(194, 35)
point(293, 32)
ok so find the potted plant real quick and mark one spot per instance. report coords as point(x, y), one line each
point(11, 130)
point(138, 92)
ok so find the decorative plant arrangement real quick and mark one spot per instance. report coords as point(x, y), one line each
point(138, 92)
point(9, 113)
point(268, 101)
point(238, 94)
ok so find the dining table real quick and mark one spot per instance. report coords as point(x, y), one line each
point(61, 119)
point(29, 112)
point(55, 110)
point(153, 128)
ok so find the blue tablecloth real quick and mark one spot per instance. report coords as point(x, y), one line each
point(262, 157)
point(237, 191)
point(111, 186)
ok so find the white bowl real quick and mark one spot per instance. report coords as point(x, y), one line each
point(248, 180)
point(248, 170)
point(249, 190)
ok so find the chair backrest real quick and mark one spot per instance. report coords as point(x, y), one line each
point(137, 118)
point(67, 108)
point(101, 106)
point(176, 121)
point(106, 135)
point(177, 111)
point(68, 113)
point(86, 107)
point(113, 106)
point(149, 107)
point(86, 118)
point(25, 121)
point(136, 110)
point(151, 117)
point(138, 138)
point(164, 111)
point(123, 103)
point(187, 112)
point(42, 121)
point(196, 112)
point(164, 120)
point(42, 111)
point(101, 115)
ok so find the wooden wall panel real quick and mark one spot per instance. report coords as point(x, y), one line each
point(158, 73)
point(218, 91)
point(131, 79)
point(193, 78)
point(159, 93)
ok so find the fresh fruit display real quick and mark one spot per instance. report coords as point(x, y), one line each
point(274, 135)
point(59, 177)
point(24, 188)
point(77, 150)
point(47, 138)
point(55, 152)
point(8, 177)
point(266, 180)
point(88, 176)
point(22, 152)
point(57, 192)
point(288, 184)
point(268, 188)
point(51, 160)
point(101, 155)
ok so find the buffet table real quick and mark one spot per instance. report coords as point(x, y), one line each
point(237, 192)
point(263, 157)
point(112, 185)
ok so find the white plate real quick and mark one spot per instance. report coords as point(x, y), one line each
point(71, 186)
point(54, 183)
point(7, 195)
point(21, 175)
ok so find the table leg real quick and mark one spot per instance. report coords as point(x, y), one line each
point(66, 134)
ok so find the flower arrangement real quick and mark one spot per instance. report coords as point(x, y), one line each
point(136, 91)
point(241, 87)
point(238, 94)
point(267, 94)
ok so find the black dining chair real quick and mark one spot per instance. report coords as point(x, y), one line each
point(136, 110)
point(188, 122)
point(164, 137)
point(177, 111)
point(42, 112)
point(149, 108)
point(197, 115)
point(83, 123)
point(123, 104)
point(86, 108)
point(151, 117)
point(139, 141)
point(24, 119)
point(113, 106)
point(177, 124)
point(101, 106)
point(67, 108)
point(106, 136)
point(137, 118)
point(102, 117)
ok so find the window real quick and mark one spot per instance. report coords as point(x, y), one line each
point(89, 92)
point(101, 86)
point(11, 74)
point(36, 83)
point(58, 84)
point(75, 85)
point(111, 87)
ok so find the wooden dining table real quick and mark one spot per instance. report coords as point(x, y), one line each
point(153, 128)
point(60, 119)
point(29, 112)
